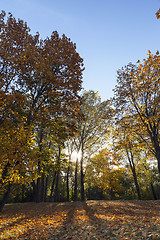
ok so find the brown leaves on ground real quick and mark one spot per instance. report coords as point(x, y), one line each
point(81, 220)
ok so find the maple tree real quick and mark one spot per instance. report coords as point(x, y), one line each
point(137, 96)
point(40, 80)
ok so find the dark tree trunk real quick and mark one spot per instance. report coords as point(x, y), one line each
point(45, 190)
point(38, 189)
point(89, 191)
point(42, 187)
point(52, 188)
point(68, 183)
point(82, 184)
point(153, 130)
point(5, 197)
point(23, 189)
point(56, 192)
point(82, 174)
point(82, 177)
point(112, 194)
point(136, 183)
point(132, 166)
point(158, 157)
point(4, 172)
point(75, 182)
point(153, 192)
point(6, 194)
point(34, 192)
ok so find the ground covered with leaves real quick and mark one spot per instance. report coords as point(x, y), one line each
point(81, 220)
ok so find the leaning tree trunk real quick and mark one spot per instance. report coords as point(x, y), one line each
point(132, 166)
point(136, 183)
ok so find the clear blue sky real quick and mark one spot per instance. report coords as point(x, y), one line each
point(108, 33)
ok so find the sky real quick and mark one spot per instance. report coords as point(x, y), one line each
point(108, 33)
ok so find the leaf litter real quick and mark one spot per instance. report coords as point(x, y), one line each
point(81, 220)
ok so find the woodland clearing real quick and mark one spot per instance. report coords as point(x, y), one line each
point(82, 220)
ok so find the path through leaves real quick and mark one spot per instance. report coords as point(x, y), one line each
point(81, 220)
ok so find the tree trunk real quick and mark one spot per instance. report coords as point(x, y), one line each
point(82, 183)
point(82, 176)
point(52, 188)
point(38, 189)
point(42, 187)
point(56, 193)
point(132, 166)
point(23, 189)
point(158, 157)
point(5, 197)
point(136, 183)
point(4, 172)
point(45, 190)
point(153, 192)
point(75, 184)
point(34, 191)
point(68, 183)
point(153, 131)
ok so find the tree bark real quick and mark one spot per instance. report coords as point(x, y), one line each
point(42, 187)
point(82, 176)
point(5, 171)
point(75, 182)
point(52, 188)
point(132, 166)
point(68, 183)
point(45, 190)
point(56, 192)
point(153, 192)
point(34, 191)
point(38, 188)
point(158, 157)
point(5, 197)
point(136, 183)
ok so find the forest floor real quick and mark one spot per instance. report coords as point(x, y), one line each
point(81, 220)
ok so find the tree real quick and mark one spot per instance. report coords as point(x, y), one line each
point(39, 79)
point(137, 96)
point(104, 174)
point(158, 14)
point(92, 129)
